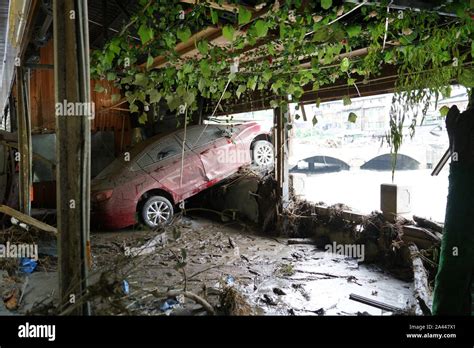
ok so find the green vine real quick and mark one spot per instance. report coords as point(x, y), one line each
point(429, 50)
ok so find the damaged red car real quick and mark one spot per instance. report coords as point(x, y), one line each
point(146, 184)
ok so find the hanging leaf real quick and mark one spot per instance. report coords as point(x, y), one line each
point(274, 104)
point(155, 96)
point(345, 64)
point(98, 88)
point(111, 76)
point(466, 78)
point(203, 47)
point(115, 98)
point(189, 97)
point(142, 119)
point(314, 121)
point(141, 80)
point(346, 100)
point(205, 69)
point(149, 61)
point(353, 30)
point(352, 117)
point(145, 33)
point(214, 16)
point(326, 4)
point(252, 83)
point(228, 32)
point(321, 35)
point(184, 34)
point(115, 46)
point(261, 27)
point(241, 89)
point(444, 111)
point(267, 75)
point(244, 15)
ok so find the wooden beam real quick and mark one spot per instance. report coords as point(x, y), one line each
point(73, 144)
point(281, 156)
point(29, 27)
point(27, 219)
point(223, 6)
point(24, 143)
point(212, 34)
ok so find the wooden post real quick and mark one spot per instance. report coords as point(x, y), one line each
point(24, 143)
point(281, 152)
point(72, 88)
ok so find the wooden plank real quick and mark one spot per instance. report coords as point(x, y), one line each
point(423, 222)
point(422, 291)
point(27, 219)
point(376, 304)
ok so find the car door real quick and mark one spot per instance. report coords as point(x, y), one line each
point(163, 162)
point(217, 152)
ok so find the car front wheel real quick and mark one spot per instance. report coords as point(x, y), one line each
point(263, 154)
point(157, 210)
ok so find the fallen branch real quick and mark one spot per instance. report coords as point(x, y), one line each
point(198, 299)
point(422, 291)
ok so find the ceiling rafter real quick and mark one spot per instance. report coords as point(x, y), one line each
point(224, 6)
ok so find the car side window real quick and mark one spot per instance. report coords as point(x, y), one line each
point(202, 135)
point(165, 148)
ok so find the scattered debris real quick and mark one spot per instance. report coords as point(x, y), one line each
point(279, 291)
point(125, 287)
point(168, 305)
point(11, 299)
point(27, 265)
point(269, 300)
point(234, 303)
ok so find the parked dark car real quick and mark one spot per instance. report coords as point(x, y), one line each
point(148, 183)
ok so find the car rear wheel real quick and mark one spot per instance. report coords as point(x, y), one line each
point(263, 154)
point(156, 211)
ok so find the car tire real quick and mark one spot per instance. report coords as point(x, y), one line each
point(156, 211)
point(263, 154)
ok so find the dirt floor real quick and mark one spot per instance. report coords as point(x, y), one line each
point(230, 266)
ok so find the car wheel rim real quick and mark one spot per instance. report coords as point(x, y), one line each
point(264, 155)
point(158, 213)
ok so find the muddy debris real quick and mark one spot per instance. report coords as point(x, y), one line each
point(233, 303)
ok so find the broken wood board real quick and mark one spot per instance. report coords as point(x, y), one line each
point(376, 304)
point(27, 219)
point(423, 222)
point(422, 237)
